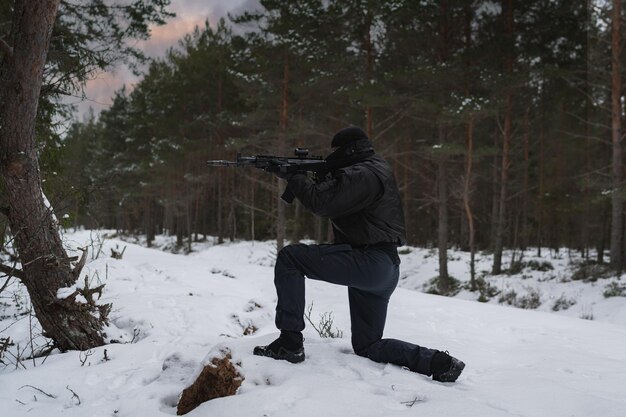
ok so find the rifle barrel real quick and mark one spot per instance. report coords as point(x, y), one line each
point(221, 163)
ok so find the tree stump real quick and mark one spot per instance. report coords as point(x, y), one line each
point(218, 379)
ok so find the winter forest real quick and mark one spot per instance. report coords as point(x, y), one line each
point(501, 119)
point(497, 117)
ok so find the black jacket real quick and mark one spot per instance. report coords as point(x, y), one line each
point(361, 200)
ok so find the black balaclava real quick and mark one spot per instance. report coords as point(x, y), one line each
point(350, 143)
point(347, 135)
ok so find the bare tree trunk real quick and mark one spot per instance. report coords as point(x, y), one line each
point(318, 229)
point(149, 221)
point(252, 210)
point(541, 195)
point(188, 216)
point(585, 227)
point(467, 183)
point(494, 193)
point(368, 70)
point(443, 283)
point(501, 223)
point(220, 205)
point(231, 211)
point(442, 235)
point(507, 11)
point(408, 220)
point(466, 200)
point(281, 220)
point(525, 232)
point(46, 267)
point(616, 138)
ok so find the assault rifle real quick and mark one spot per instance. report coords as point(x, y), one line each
point(301, 162)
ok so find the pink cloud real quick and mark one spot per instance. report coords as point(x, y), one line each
point(189, 13)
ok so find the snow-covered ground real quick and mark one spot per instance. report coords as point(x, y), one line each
point(170, 311)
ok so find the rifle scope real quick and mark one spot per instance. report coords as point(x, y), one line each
point(301, 152)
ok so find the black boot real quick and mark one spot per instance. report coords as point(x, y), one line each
point(289, 347)
point(445, 368)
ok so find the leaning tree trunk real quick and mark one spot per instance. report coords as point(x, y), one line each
point(45, 265)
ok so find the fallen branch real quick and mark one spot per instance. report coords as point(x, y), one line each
point(73, 394)
point(40, 390)
point(83, 356)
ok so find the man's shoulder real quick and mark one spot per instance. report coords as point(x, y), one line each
point(375, 165)
point(361, 169)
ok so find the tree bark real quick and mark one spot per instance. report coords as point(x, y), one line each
point(369, 58)
point(525, 231)
point(507, 11)
point(443, 283)
point(467, 183)
point(45, 264)
point(149, 221)
point(616, 138)
point(442, 235)
point(541, 194)
point(495, 189)
point(466, 200)
point(408, 220)
point(281, 220)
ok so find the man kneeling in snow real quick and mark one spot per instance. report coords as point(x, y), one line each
point(363, 203)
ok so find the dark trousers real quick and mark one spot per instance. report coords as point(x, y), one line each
point(371, 277)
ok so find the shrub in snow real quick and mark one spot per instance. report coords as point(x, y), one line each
point(542, 266)
point(219, 378)
point(515, 268)
point(486, 289)
point(509, 297)
point(614, 289)
point(117, 253)
point(586, 316)
point(563, 303)
point(591, 272)
point(5, 343)
point(432, 287)
point(529, 301)
point(325, 326)
point(534, 265)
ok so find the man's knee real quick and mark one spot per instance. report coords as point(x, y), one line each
point(362, 349)
point(291, 257)
point(286, 254)
point(294, 251)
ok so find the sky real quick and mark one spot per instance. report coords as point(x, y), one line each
point(189, 13)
